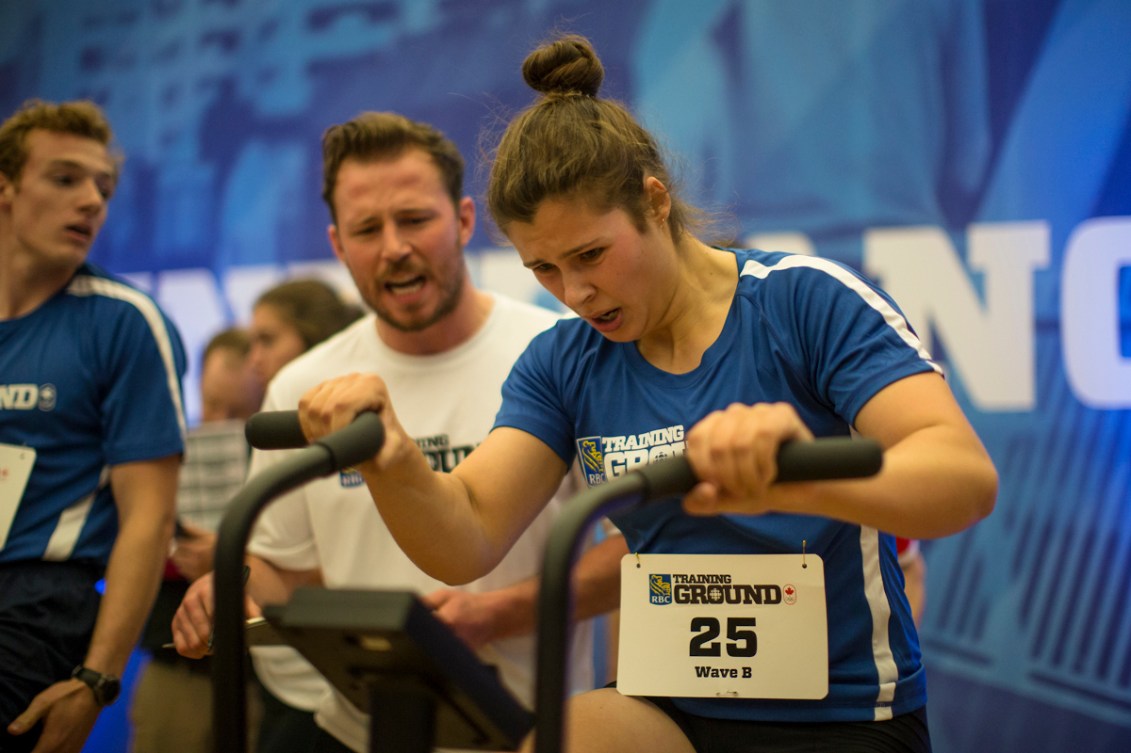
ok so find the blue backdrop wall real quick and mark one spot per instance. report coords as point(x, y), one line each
point(973, 156)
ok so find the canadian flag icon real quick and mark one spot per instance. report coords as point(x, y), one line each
point(789, 594)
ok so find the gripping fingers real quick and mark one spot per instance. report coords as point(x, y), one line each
point(192, 624)
point(735, 450)
point(334, 404)
point(189, 640)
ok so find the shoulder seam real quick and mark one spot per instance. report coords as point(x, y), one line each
point(86, 285)
point(891, 316)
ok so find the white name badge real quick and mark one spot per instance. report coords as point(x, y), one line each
point(730, 626)
point(16, 463)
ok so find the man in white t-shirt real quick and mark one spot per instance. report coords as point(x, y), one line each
point(399, 224)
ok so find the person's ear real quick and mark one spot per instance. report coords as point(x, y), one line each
point(336, 242)
point(659, 199)
point(465, 215)
point(7, 189)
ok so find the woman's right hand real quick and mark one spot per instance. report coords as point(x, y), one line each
point(334, 404)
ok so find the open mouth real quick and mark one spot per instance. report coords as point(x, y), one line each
point(405, 287)
point(608, 316)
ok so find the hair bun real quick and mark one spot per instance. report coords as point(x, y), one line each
point(566, 65)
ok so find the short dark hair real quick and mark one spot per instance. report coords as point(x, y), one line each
point(385, 135)
point(235, 339)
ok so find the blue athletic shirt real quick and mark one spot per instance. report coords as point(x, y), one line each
point(90, 379)
point(802, 330)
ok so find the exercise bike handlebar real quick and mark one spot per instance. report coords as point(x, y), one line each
point(359, 441)
point(816, 460)
point(821, 459)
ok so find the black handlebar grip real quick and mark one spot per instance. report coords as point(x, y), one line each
point(829, 458)
point(359, 441)
point(275, 430)
point(817, 460)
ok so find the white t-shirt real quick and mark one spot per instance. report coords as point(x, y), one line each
point(447, 402)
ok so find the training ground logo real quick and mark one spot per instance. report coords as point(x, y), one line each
point(592, 460)
point(659, 589)
point(350, 478)
point(28, 397)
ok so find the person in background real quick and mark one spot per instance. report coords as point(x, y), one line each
point(399, 223)
point(286, 320)
point(91, 433)
point(215, 468)
point(721, 355)
point(290, 319)
point(230, 390)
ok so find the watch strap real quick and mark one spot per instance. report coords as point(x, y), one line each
point(104, 686)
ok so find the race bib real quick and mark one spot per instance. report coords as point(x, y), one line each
point(16, 463)
point(729, 626)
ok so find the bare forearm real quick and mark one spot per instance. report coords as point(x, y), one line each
point(269, 584)
point(432, 519)
point(934, 483)
point(596, 578)
point(457, 526)
point(133, 575)
point(431, 516)
point(596, 590)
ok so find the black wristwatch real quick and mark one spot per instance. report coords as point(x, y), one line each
point(104, 687)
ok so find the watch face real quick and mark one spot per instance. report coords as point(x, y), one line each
point(107, 690)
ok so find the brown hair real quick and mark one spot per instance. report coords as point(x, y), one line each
point(312, 307)
point(374, 136)
point(570, 143)
point(234, 338)
point(78, 117)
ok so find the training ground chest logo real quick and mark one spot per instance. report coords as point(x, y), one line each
point(712, 588)
point(442, 454)
point(603, 458)
point(350, 478)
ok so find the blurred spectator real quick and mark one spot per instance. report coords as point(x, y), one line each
point(229, 388)
point(286, 321)
point(291, 318)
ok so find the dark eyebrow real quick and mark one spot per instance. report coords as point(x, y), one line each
point(72, 164)
point(569, 252)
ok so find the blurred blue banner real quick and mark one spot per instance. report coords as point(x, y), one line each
point(973, 156)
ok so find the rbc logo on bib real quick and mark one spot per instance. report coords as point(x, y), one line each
point(659, 589)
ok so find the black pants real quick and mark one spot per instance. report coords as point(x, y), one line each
point(47, 614)
point(906, 733)
point(285, 729)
